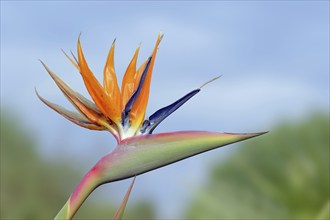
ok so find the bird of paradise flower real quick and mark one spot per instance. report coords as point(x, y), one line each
point(122, 113)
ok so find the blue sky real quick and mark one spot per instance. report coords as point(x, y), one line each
point(274, 58)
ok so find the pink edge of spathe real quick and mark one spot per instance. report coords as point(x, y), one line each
point(90, 176)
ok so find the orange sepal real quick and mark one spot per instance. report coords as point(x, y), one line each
point(86, 107)
point(96, 91)
point(110, 79)
point(74, 63)
point(139, 108)
point(74, 117)
point(128, 83)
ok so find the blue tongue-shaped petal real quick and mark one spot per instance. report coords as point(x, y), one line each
point(135, 95)
point(156, 118)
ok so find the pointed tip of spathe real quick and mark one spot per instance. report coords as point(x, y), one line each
point(263, 132)
point(259, 133)
point(255, 134)
point(248, 135)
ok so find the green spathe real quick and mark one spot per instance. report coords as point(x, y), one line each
point(140, 154)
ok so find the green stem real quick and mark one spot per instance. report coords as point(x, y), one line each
point(80, 194)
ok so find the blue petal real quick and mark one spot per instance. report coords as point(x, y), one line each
point(157, 117)
point(135, 95)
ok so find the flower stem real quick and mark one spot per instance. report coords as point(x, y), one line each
point(80, 194)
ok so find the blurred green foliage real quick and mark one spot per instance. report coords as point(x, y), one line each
point(281, 175)
point(32, 188)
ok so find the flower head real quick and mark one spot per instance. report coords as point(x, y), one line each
point(122, 112)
